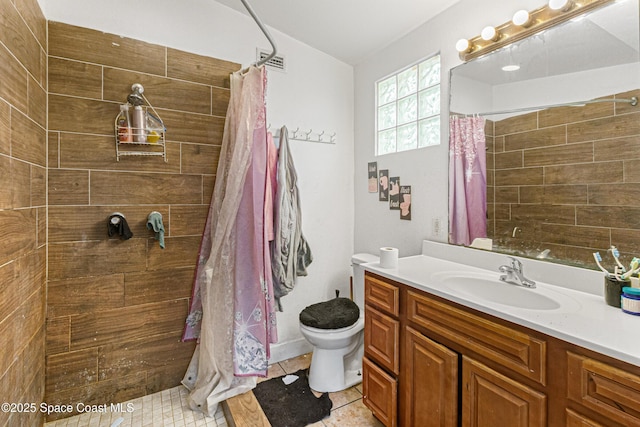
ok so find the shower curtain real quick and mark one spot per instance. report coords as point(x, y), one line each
point(232, 312)
point(467, 180)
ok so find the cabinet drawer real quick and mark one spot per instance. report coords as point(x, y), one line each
point(382, 295)
point(577, 420)
point(607, 390)
point(380, 393)
point(512, 349)
point(382, 338)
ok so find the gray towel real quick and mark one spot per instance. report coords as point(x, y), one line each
point(154, 222)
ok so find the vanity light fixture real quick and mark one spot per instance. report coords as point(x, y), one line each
point(522, 18)
point(523, 25)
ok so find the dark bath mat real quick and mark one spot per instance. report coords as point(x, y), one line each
point(292, 405)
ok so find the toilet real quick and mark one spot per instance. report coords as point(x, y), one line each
point(336, 363)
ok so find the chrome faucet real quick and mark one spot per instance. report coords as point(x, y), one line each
point(514, 275)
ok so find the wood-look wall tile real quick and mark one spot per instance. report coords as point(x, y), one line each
point(178, 252)
point(35, 19)
point(589, 237)
point(586, 173)
point(37, 105)
point(83, 44)
point(127, 324)
point(188, 220)
point(219, 101)
point(522, 123)
point(75, 78)
point(5, 125)
point(554, 195)
point(33, 367)
point(631, 171)
point(524, 176)
point(58, 335)
point(502, 211)
point(95, 258)
point(81, 223)
point(489, 130)
point(208, 183)
point(158, 285)
point(98, 152)
point(122, 358)
point(41, 238)
point(6, 191)
point(536, 138)
point(508, 160)
point(562, 115)
point(85, 295)
point(21, 41)
point(20, 184)
point(136, 188)
point(523, 229)
point(498, 144)
point(28, 139)
point(490, 193)
point(200, 158)
point(38, 186)
point(190, 127)
point(13, 84)
point(10, 292)
point(626, 148)
point(202, 69)
point(116, 390)
point(631, 239)
point(82, 115)
point(68, 187)
point(559, 155)
point(507, 194)
point(53, 149)
point(554, 214)
point(614, 194)
point(610, 127)
point(72, 370)
point(491, 160)
point(604, 216)
point(169, 376)
point(162, 92)
point(18, 228)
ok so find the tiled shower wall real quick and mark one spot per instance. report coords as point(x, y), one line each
point(116, 308)
point(566, 179)
point(23, 162)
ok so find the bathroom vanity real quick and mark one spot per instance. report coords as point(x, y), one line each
point(441, 353)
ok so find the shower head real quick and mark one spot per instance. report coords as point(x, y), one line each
point(135, 97)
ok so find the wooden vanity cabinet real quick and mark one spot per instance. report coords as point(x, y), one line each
point(433, 363)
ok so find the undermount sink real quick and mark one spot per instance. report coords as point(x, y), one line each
point(489, 287)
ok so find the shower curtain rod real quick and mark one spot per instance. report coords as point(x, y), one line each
point(633, 101)
point(264, 31)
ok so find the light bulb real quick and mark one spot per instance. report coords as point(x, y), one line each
point(463, 46)
point(562, 5)
point(521, 18)
point(489, 33)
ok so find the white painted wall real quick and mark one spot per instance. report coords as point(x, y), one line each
point(316, 92)
point(426, 170)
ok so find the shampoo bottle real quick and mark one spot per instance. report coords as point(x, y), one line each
point(124, 124)
point(139, 124)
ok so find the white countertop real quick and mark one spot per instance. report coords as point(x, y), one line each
point(583, 318)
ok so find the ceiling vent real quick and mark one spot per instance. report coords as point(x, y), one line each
point(276, 63)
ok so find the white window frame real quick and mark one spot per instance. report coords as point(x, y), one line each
point(433, 117)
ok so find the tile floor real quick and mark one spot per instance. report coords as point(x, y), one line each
point(169, 408)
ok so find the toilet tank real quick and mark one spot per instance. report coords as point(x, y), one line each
point(358, 275)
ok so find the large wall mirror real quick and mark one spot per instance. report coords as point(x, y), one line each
point(562, 181)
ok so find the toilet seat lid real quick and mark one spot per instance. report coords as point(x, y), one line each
point(336, 313)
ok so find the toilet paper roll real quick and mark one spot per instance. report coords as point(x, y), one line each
point(389, 257)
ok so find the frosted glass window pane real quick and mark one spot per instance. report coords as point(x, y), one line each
point(387, 141)
point(407, 137)
point(429, 132)
point(407, 110)
point(430, 72)
point(408, 81)
point(387, 116)
point(429, 102)
point(387, 90)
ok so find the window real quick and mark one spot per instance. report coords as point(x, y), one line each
point(408, 108)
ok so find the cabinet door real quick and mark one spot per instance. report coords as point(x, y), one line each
point(430, 386)
point(381, 339)
point(578, 420)
point(380, 393)
point(490, 399)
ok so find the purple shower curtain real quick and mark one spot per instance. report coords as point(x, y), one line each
point(467, 180)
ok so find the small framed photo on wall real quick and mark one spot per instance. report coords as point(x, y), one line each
point(405, 202)
point(383, 185)
point(373, 177)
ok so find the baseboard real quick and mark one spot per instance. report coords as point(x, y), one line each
point(288, 350)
